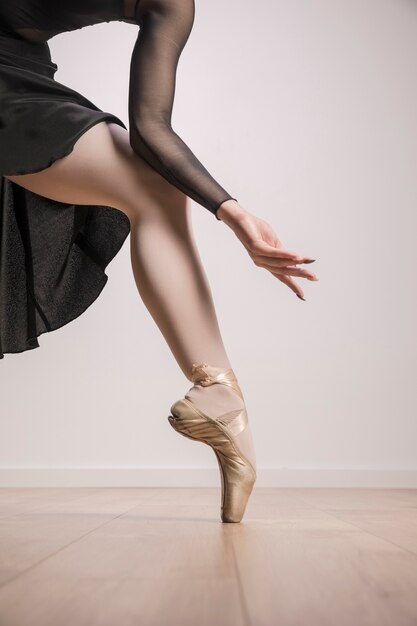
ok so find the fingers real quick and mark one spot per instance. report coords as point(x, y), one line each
point(292, 285)
point(282, 266)
point(279, 262)
point(296, 272)
point(261, 248)
point(291, 271)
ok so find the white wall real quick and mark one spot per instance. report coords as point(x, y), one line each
point(306, 112)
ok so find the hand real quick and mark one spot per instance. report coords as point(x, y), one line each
point(264, 247)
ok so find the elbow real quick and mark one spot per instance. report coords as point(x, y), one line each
point(153, 135)
point(139, 143)
point(149, 124)
point(150, 146)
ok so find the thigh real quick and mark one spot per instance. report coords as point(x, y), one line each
point(102, 169)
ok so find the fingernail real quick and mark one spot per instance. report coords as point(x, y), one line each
point(298, 296)
point(310, 261)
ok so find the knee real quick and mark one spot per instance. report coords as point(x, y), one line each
point(142, 190)
point(154, 197)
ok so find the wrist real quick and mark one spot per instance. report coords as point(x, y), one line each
point(229, 209)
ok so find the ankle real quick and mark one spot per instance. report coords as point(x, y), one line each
point(215, 399)
point(206, 373)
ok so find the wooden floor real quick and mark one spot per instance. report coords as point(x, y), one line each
point(162, 557)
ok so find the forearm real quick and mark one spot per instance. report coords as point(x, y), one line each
point(166, 152)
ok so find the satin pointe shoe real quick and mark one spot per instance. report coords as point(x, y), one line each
point(238, 475)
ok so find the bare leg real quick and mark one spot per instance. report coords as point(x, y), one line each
point(103, 169)
point(172, 283)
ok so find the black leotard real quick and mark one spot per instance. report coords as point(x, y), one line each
point(164, 28)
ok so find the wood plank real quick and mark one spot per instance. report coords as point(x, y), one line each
point(15, 501)
point(323, 571)
point(365, 499)
point(27, 538)
point(159, 556)
point(390, 514)
point(164, 563)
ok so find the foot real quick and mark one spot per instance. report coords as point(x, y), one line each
point(222, 401)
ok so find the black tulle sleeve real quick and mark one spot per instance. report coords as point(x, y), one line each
point(164, 28)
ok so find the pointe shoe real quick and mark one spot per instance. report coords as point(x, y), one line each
point(238, 475)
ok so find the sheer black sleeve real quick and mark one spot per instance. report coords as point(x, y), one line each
point(165, 26)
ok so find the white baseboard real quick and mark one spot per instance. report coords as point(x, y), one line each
point(202, 477)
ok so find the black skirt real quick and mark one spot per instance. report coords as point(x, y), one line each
point(53, 255)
